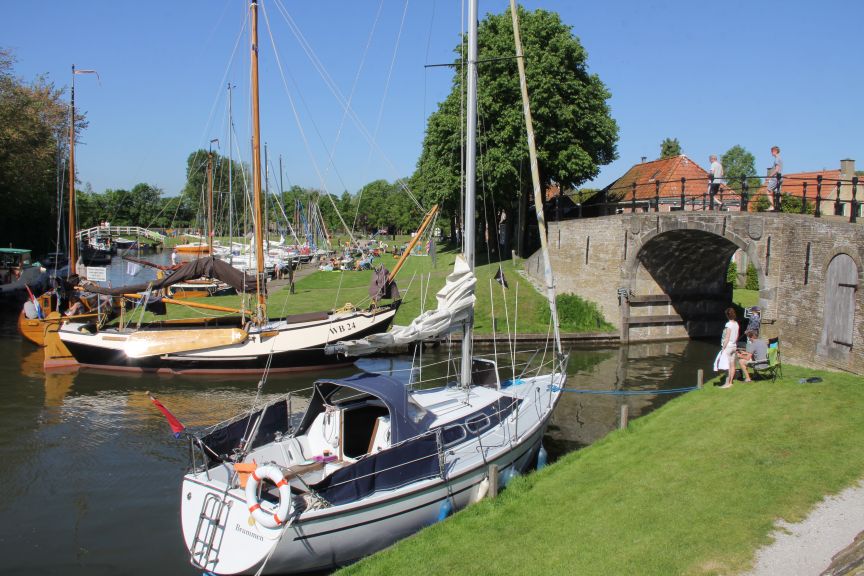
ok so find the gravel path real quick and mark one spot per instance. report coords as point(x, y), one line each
point(806, 548)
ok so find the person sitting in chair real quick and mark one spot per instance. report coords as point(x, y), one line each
point(755, 354)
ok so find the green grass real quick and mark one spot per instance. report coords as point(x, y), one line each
point(418, 282)
point(693, 488)
point(745, 298)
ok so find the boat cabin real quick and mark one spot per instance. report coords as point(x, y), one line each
point(13, 261)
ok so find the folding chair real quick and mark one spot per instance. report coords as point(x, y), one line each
point(772, 368)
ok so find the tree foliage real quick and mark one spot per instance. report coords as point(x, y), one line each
point(574, 130)
point(33, 143)
point(738, 164)
point(669, 148)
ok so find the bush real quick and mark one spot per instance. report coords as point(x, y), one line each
point(578, 315)
point(752, 278)
point(732, 274)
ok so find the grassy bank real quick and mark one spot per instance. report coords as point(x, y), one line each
point(419, 280)
point(693, 488)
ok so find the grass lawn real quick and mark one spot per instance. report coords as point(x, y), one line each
point(418, 282)
point(692, 488)
point(745, 298)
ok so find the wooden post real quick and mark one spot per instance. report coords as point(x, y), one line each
point(624, 417)
point(700, 375)
point(493, 481)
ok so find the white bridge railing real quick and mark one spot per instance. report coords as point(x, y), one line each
point(120, 231)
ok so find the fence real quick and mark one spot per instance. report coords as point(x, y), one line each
point(707, 194)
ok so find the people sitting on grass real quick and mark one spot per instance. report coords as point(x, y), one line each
point(756, 353)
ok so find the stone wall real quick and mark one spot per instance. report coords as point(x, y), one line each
point(673, 267)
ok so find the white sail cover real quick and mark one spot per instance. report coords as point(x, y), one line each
point(455, 304)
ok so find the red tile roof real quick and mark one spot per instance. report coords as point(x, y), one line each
point(793, 184)
point(668, 171)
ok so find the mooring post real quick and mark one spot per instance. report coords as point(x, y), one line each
point(493, 480)
point(700, 375)
point(624, 414)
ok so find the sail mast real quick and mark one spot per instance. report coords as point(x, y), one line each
point(470, 177)
point(210, 200)
point(535, 177)
point(72, 269)
point(257, 220)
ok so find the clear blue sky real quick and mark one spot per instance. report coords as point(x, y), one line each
point(710, 74)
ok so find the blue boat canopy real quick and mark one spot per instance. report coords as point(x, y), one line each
point(407, 418)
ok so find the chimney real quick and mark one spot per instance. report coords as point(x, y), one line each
point(847, 169)
point(643, 159)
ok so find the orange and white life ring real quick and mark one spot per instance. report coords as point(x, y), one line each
point(263, 513)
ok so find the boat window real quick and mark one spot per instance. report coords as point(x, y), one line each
point(452, 434)
point(478, 423)
point(358, 427)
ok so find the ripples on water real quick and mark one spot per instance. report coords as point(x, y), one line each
point(92, 472)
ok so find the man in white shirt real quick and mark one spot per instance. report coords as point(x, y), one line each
point(716, 170)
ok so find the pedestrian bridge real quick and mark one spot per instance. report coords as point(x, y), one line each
point(660, 276)
point(114, 231)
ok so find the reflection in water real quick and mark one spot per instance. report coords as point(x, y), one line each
point(92, 471)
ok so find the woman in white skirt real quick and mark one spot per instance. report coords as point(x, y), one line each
point(729, 348)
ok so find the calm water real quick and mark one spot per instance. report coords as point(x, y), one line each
point(92, 473)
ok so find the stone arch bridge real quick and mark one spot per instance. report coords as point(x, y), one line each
point(660, 276)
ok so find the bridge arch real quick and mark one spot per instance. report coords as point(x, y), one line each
point(677, 280)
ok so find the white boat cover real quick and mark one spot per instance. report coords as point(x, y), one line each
point(455, 304)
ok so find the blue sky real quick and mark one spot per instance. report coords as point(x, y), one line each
point(712, 75)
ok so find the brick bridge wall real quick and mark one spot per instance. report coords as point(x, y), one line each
point(674, 267)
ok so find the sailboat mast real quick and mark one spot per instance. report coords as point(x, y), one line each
point(230, 182)
point(257, 221)
point(470, 177)
point(210, 202)
point(72, 243)
point(535, 177)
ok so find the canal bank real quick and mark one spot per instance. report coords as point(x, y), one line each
point(694, 488)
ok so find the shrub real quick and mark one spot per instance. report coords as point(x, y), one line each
point(732, 274)
point(576, 314)
point(752, 278)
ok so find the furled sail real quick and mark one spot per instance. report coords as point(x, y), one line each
point(455, 304)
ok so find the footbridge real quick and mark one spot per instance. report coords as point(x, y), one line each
point(114, 231)
point(662, 276)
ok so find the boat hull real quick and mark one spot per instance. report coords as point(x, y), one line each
point(277, 347)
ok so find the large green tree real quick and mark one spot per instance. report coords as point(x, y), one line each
point(33, 146)
point(574, 130)
point(739, 164)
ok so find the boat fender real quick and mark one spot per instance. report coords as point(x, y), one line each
point(507, 475)
point(445, 510)
point(264, 514)
point(542, 458)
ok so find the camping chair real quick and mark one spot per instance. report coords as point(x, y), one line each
point(772, 368)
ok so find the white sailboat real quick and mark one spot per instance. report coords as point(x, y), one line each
point(372, 459)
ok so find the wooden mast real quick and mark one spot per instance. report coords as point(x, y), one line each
point(72, 268)
point(257, 220)
point(535, 177)
point(210, 202)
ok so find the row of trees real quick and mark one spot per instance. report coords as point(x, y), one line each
point(574, 130)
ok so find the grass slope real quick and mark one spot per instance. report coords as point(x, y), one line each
point(419, 281)
point(693, 488)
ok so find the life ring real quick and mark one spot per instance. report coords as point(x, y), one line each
point(264, 514)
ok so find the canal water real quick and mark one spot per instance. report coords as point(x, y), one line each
point(92, 472)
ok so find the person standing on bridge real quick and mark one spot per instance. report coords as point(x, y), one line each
point(716, 171)
point(773, 183)
point(728, 355)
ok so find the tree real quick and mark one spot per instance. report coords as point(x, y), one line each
point(670, 147)
point(574, 130)
point(739, 164)
point(33, 147)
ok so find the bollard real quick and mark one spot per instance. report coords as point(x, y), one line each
point(700, 375)
point(624, 414)
point(493, 480)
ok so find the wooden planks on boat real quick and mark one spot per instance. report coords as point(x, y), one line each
point(155, 342)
